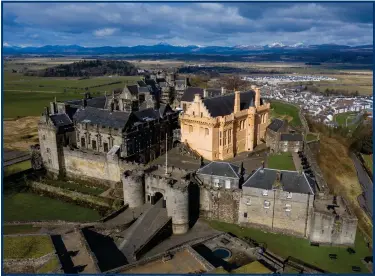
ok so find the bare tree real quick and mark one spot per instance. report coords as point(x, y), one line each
point(233, 82)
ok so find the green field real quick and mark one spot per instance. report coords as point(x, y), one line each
point(343, 117)
point(24, 247)
point(50, 266)
point(18, 167)
point(301, 249)
point(282, 161)
point(368, 161)
point(19, 229)
point(286, 111)
point(27, 96)
point(31, 207)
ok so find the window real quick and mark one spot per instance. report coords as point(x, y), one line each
point(48, 150)
point(105, 145)
point(49, 161)
point(229, 136)
point(266, 204)
point(83, 142)
point(184, 107)
point(216, 183)
point(44, 137)
point(220, 138)
point(225, 137)
point(288, 207)
point(206, 131)
point(245, 215)
point(248, 202)
point(193, 113)
point(93, 144)
point(190, 128)
point(201, 114)
point(148, 198)
point(289, 195)
point(227, 184)
point(265, 192)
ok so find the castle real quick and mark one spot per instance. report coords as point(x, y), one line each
point(109, 138)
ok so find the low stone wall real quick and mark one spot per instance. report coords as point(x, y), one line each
point(34, 262)
point(99, 201)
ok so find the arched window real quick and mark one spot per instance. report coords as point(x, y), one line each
point(83, 144)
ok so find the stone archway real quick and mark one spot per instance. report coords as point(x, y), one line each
point(157, 197)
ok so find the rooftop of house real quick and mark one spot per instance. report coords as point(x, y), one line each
point(97, 102)
point(289, 181)
point(291, 137)
point(60, 120)
point(276, 125)
point(222, 169)
point(224, 105)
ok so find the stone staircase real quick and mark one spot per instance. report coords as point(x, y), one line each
point(146, 226)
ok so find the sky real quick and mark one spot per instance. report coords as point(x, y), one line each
point(205, 24)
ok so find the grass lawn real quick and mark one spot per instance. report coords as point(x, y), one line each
point(311, 137)
point(286, 246)
point(50, 266)
point(73, 186)
point(282, 161)
point(24, 247)
point(27, 96)
point(368, 161)
point(286, 111)
point(18, 167)
point(19, 229)
point(31, 207)
point(341, 118)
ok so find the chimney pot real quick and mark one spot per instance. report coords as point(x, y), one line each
point(205, 93)
point(237, 102)
point(197, 97)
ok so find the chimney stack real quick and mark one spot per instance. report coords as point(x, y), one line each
point(222, 91)
point(84, 103)
point(205, 93)
point(262, 164)
point(278, 176)
point(257, 97)
point(197, 97)
point(237, 102)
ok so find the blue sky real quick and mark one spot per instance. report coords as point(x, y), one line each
point(221, 24)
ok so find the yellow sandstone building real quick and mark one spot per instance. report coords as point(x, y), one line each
point(219, 128)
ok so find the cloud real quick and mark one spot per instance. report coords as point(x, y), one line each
point(221, 24)
point(105, 32)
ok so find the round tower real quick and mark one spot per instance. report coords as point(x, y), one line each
point(179, 203)
point(133, 187)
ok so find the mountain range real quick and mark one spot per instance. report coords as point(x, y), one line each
point(165, 48)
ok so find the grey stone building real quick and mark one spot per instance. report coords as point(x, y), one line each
point(280, 139)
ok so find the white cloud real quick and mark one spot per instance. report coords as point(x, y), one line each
point(105, 32)
point(6, 44)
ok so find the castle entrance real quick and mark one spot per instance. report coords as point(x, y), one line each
point(159, 198)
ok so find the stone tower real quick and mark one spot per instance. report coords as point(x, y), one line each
point(133, 188)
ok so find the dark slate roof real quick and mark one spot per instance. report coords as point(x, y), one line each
point(291, 181)
point(223, 169)
point(180, 81)
point(142, 83)
point(133, 89)
point(97, 102)
point(151, 113)
point(143, 90)
point(224, 105)
point(102, 117)
point(161, 80)
point(291, 137)
point(61, 120)
point(190, 92)
point(276, 124)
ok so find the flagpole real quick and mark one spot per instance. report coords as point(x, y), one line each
point(166, 153)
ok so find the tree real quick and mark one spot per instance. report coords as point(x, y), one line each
point(233, 82)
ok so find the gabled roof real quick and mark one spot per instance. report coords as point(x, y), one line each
point(223, 169)
point(60, 120)
point(291, 137)
point(102, 117)
point(291, 181)
point(276, 124)
point(97, 102)
point(189, 93)
point(224, 105)
point(151, 113)
point(133, 89)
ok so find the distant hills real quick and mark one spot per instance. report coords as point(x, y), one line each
point(164, 48)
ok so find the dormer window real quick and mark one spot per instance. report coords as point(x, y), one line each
point(216, 183)
point(289, 195)
point(248, 202)
point(265, 193)
point(288, 207)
